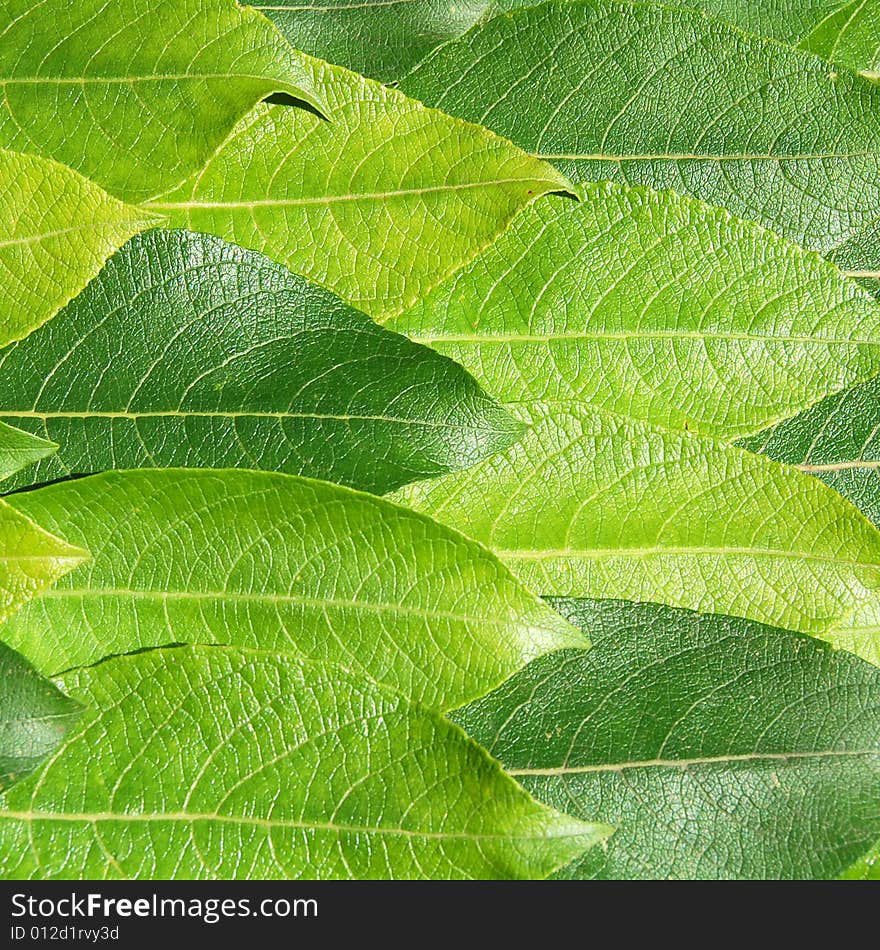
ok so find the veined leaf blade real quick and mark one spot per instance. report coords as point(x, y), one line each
point(35, 716)
point(136, 95)
point(385, 39)
point(58, 230)
point(378, 206)
point(593, 505)
point(654, 306)
point(713, 744)
point(20, 449)
point(186, 351)
point(277, 562)
point(773, 134)
point(31, 559)
point(279, 770)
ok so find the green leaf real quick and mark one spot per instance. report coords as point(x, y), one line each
point(654, 306)
point(35, 717)
point(842, 31)
point(837, 440)
point(378, 206)
point(137, 95)
point(385, 38)
point(866, 868)
point(380, 38)
point(276, 562)
point(644, 94)
point(186, 351)
point(306, 740)
point(719, 748)
point(31, 559)
point(593, 505)
point(254, 765)
point(20, 449)
point(859, 632)
point(57, 231)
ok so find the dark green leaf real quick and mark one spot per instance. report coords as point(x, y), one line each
point(186, 351)
point(719, 748)
point(669, 98)
point(35, 717)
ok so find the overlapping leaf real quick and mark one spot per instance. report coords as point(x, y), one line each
point(593, 505)
point(378, 206)
point(35, 716)
point(654, 306)
point(306, 727)
point(838, 440)
point(385, 38)
point(278, 770)
point(278, 563)
point(669, 98)
point(57, 231)
point(186, 351)
point(842, 31)
point(866, 868)
point(136, 94)
point(31, 559)
point(379, 38)
point(19, 450)
point(719, 748)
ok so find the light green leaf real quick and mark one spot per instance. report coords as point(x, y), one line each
point(654, 306)
point(34, 717)
point(593, 505)
point(136, 94)
point(56, 231)
point(306, 740)
point(859, 632)
point(838, 440)
point(385, 38)
point(20, 449)
point(719, 748)
point(31, 559)
point(644, 94)
point(254, 765)
point(275, 562)
point(866, 868)
point(186, 351)
point(378, 206)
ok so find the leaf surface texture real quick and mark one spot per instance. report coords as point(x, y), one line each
point(35, 716)
point(645, 94)
point(187, 351)
point(654, 306)
point(58, 230)
point(719, 748)
point(378, 206)
point(593, 505)
point(136, 94)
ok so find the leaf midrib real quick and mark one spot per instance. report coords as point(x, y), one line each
point(60, 593)
point(361, 196)
point(126, 80)
point(186, 413)
point(688, 763)
point(498, 339)
point(680, 551)
point(98, 817)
